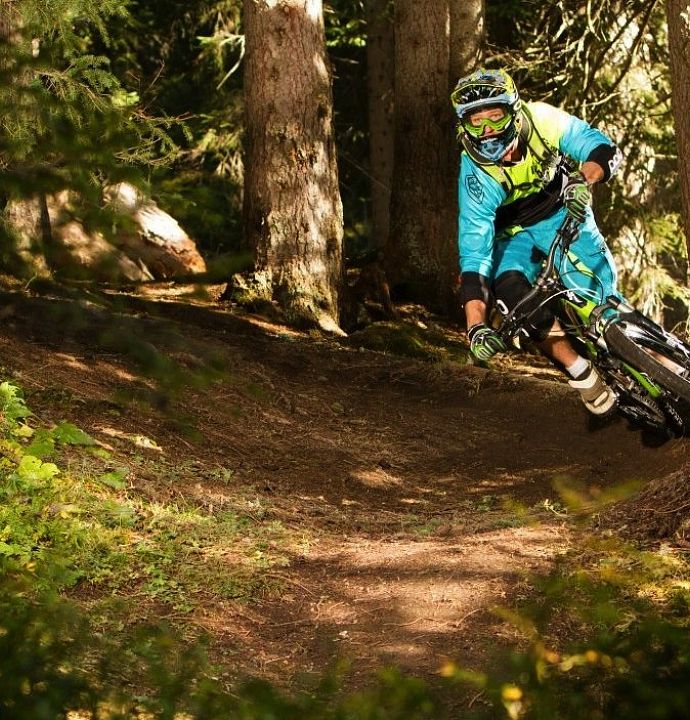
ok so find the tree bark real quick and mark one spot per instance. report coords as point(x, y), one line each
point(293, 212)
point(432, 48)
point(678, 15)
point(26, 221)
point(467, 33)
point(380, 90)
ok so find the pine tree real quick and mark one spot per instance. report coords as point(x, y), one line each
point(67, 124)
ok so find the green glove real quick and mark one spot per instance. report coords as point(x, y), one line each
point(576, 197)
point(485, 342)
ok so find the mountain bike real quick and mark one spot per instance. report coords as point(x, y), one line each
point(647, 367)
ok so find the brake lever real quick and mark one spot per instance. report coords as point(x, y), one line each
point(568, 231)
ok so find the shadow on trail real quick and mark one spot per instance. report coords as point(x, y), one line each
point(311, 416)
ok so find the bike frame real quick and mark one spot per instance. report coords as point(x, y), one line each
point(587, 319)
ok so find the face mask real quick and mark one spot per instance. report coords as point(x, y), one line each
point(495, 147)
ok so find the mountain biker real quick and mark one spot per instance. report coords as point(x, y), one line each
point(524, 168)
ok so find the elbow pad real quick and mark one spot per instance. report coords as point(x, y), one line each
point(474, 286)
point(608, 157)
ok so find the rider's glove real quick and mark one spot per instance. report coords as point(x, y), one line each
point(484, 341)
point(576, 197)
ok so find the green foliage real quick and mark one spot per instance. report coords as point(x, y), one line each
point(177, 57)
point(66, 529)
point(69, 118)
point(207, 206)
point(606, 636)
point(12, 405)
point(64, 17)
point(53, 664)
point(67, 123)
point(653, 265)
point(39, 526)
point(39, 673)
point(345, 24)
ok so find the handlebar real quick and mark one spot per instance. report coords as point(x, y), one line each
point(565, 235)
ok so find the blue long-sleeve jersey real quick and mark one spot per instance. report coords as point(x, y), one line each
point(504, 198)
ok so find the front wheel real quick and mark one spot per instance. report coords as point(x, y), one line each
point(663, 358)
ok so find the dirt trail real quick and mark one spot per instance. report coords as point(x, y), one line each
point(413, 480)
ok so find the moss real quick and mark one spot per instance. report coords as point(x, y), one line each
point(409, 340)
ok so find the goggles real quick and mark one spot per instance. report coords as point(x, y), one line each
point(477, 128)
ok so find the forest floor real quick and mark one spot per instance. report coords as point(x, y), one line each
point(403, 499)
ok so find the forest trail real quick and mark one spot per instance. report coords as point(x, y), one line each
point(423, 493)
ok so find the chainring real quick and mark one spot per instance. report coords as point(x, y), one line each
point(645, 411)
point(674, 419)
point(657, 415)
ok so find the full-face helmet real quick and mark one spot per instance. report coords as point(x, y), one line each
point(484, 90)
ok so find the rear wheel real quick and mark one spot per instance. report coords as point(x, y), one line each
point(663, 358)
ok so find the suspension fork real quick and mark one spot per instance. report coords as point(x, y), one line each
point(594, 321)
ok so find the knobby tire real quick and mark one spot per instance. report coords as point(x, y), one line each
point(632, 352)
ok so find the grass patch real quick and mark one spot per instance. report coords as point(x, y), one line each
point(88, 525)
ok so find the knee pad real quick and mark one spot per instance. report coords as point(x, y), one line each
point(509, 288)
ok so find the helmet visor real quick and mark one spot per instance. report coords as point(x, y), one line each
point(476, 127)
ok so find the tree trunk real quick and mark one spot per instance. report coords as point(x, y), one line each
point(678, 14)
point(380, 88)
point(25, 220)
point(10, 22)
point(421, 260)
point(293, 212)
point(466, 36)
